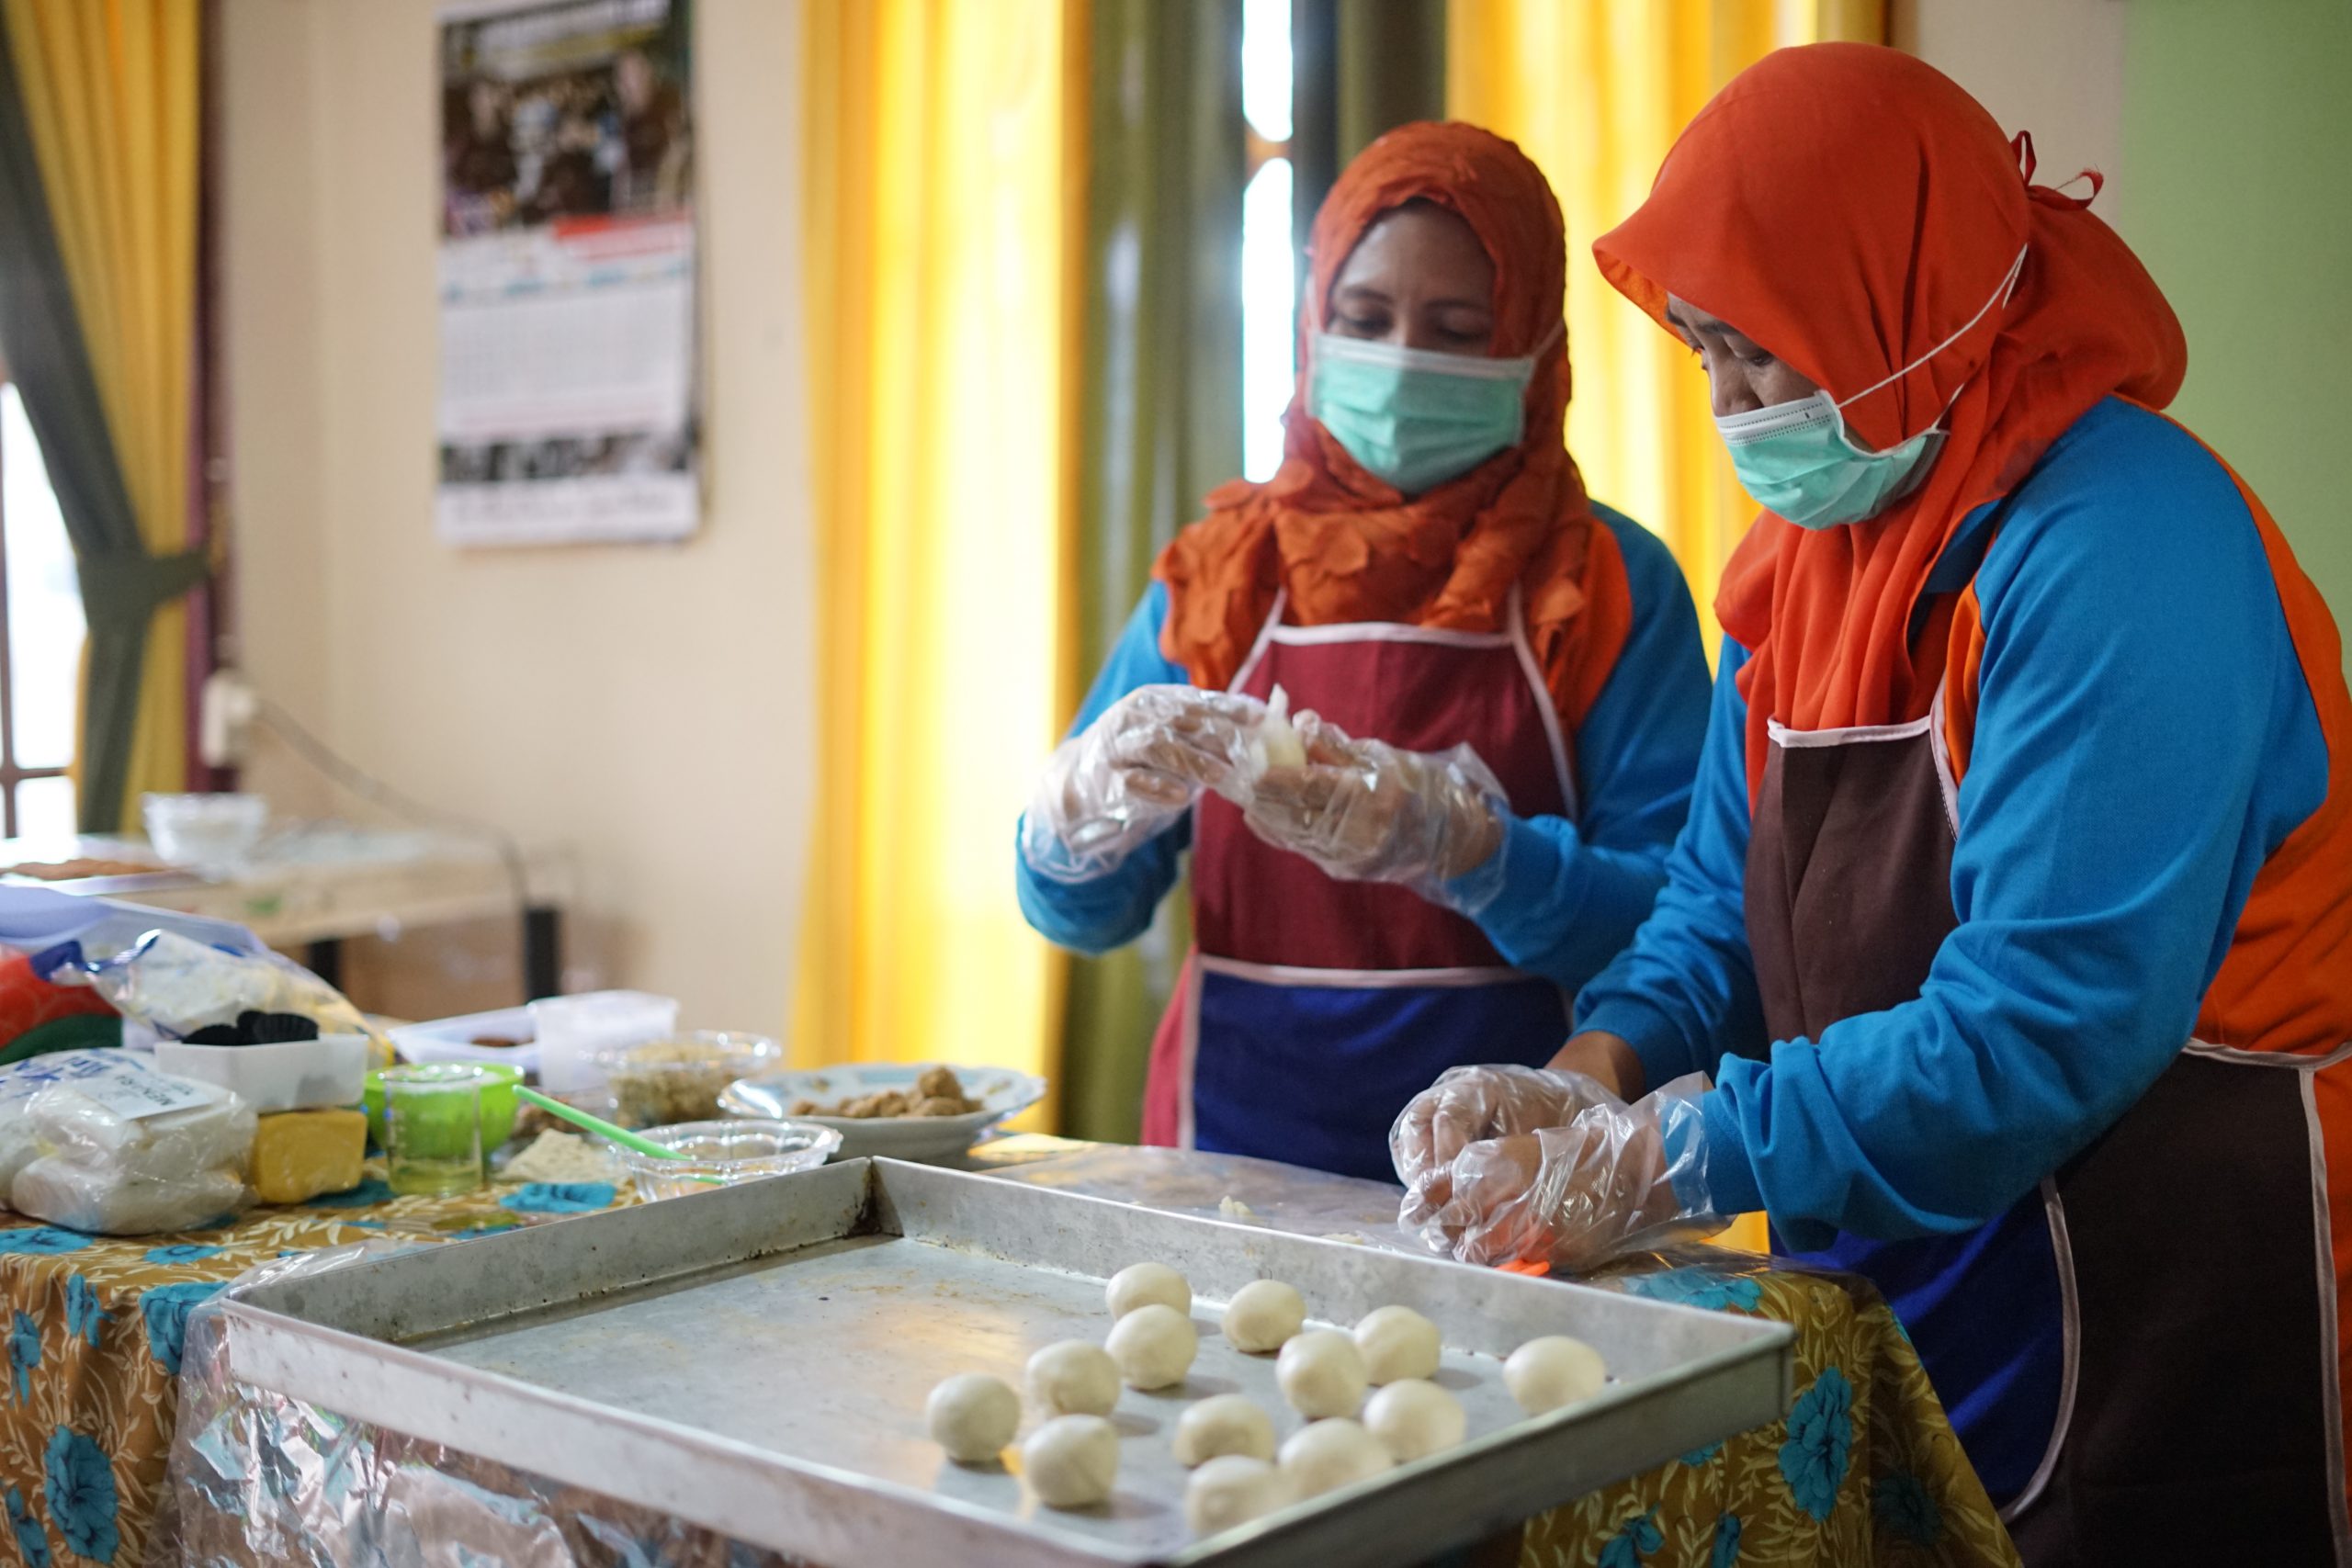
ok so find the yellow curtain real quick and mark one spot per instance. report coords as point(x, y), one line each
point(943, 147)
point(1596, 91)
point(109, 90)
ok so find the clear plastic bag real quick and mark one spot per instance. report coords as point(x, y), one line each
point(103, 1073)
point(100, 1166)
point(1610, 1179)
point(108, 1201)
point(176, 987)
point(214, 1131)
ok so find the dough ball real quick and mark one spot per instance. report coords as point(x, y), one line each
point(1071, 1461)
point(1262, 1315)
point(1321, 1373)
point(1543, 1374)
point(1276, 737)
point(1398, 1343)
point(972, 1416)
point(1073, 1378)
point(1414, 1418)
point(1231, 1490)
point(1153, 1346)
point(1141, 1284)
point(1223, 1424)
point(1326, 1455)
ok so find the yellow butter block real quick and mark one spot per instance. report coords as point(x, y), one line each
point(298, 1155)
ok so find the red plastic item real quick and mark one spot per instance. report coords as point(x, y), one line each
point(28, 1001)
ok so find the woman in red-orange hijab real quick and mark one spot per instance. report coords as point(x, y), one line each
point(1502, 681)
point(2013, 921)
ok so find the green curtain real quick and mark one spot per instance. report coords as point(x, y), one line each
point(122, 584)
point(1163, 420)
point(1168, 158)
point(1358, 68)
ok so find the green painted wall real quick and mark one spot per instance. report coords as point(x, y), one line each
point(2236, 191)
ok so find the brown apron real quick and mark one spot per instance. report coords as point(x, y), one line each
point(2138, 1356)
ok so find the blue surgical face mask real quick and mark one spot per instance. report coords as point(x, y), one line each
point(1796, 459)
point(1416, 417)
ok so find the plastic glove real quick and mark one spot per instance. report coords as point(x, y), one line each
point(1135, 769)
point(1614, 1179)
point(1366, 811)
point(1467, 1105)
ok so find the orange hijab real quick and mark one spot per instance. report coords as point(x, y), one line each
point(1346, 546)
point(1849, 209)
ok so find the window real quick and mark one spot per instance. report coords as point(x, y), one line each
point(40, 638)
point(1269, 268)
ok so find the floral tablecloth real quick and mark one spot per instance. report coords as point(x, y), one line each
point(93, 1328)
point(1864, 1470)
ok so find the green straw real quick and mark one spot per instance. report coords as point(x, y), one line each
point(605, 1129)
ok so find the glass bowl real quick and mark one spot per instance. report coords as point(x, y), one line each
point(729, 1152)
point(210, 834)
point(680, 1078)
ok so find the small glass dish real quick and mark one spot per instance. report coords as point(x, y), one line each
point(728, 1153)
point(680, 1077)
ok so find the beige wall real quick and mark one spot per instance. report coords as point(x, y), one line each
point(650, 707)
point(2053, 67)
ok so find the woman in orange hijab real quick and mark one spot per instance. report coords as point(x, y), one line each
point(1501, 686)
point(2013, 921)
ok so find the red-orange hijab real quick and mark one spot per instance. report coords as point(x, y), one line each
point(1346, 546)
point(1850, 207)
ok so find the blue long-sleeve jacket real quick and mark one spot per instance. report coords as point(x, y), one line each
point(2146, 739)
point(1566, 896)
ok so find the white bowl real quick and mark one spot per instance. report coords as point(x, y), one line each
point(208, 833)
point(292, 1075)
point(1001, 1092)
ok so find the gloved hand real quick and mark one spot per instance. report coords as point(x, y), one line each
point(1366, 811)
point(1612, 1178)
point(1468, 1105)
point(1135, 769)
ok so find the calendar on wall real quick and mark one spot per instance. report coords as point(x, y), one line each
point(568, 410)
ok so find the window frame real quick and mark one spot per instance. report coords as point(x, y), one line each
point(11, 773)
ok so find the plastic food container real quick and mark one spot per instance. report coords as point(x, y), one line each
point(462, 1039)
point(569, 1030)
point(297, 1075)
point(730, 1151)
point(680, 1079)
point(208, 833)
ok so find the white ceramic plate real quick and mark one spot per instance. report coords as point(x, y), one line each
point(1001, 1092)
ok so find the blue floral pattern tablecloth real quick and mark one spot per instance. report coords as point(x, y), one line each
point(1864, 1470)
point(93, 1331)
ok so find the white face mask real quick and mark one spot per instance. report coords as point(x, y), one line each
point(1798, 461)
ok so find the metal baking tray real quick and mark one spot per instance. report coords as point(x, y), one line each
point(755, 1359)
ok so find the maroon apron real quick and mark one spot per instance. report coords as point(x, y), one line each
point(1314, 1008)
point(2134, 1355)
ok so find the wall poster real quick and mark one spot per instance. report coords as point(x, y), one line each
point(568, 410)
